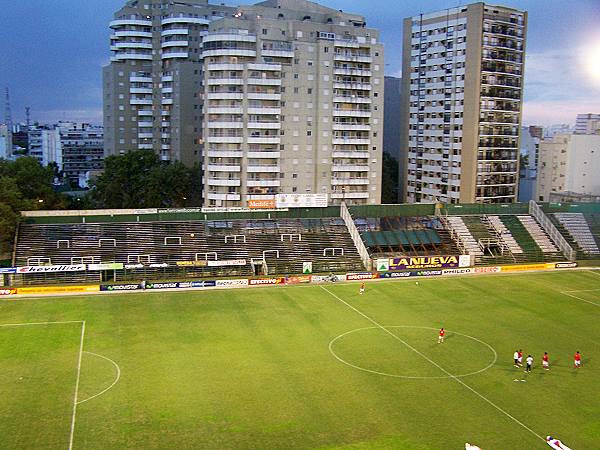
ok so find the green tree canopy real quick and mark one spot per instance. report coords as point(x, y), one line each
point(139, 179)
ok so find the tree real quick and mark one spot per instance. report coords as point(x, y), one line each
point(389, 179)
point(139, 179)
point(11, 203)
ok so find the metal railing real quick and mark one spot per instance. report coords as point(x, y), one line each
point(358, 242)
point(549, 228)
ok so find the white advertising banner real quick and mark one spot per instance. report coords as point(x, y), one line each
point(43, 269)
point(301, 200)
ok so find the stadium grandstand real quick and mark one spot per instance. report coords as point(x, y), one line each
point(104, 246)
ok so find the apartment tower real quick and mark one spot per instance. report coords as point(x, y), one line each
point(462, 87)
point(281, 97)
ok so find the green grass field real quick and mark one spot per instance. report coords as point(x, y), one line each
point(307, 366)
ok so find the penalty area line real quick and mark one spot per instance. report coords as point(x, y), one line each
point(458, 380)
point(73, 417)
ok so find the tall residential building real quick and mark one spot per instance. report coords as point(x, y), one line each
point(152, 87)
point(587, 124)
point(283, 97)
point(568, 163)
point(43, 143)
point(462, 82)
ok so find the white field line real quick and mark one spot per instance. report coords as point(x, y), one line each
point(109, 387)
point(581, 290)
point(77, 387)
point(579, 298)
point(458, 380)
point(38, 323)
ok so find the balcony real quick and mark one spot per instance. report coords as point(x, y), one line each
point(224, 95)
point(263, 96)
point(263, 168)
point(264, 81)
point(352, 86)
point(354, 154)
point(139, 79)
point(135, 90)
point(265, 67)
point(145, 135)
point(194, 20)
point(224, 66)
point(349, 181)
point(214, 153)
point(266, 155)
point(225, 139)
point(349, 168)
point(223, 81)
point(264, 111)
point(131, 33)
point(214, 196)
point(337, 70)
point(121, 45)
point(175, 32)
point(140, 101)
point(133, 22)
point(345, 195)
point(264, 140)
point(145, 112)
point(278, 53)
point(264, 125)
point(218, 124)
point(145, 146)
point(351, 99)
point(229, 37)
point(223, 110)
point(351, 113)
point(351, 141)
point(145, 124)
point(174, 54)
point(177, 43)
point(167, 90)
point(351, 127)
point(224, 182)
point(224, 168)
point(263, 183)
point(127, 56)
point(166, 101)
point(229, 52)
point(354, 57)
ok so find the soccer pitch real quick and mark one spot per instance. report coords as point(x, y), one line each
point(306, 366)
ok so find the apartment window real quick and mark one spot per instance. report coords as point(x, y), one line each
point(308, 132)
point(264, 31)
point(309, 63)
point(296, 90)
point(309, 91)
point(294, 189)
point(294, 175)
point(296, 76)
point(325, 49)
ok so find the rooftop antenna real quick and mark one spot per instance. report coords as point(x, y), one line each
point(27, 117)
point(8, 123)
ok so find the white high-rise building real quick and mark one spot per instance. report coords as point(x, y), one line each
point(282, 97)
point(587, 124)
point(462, 99)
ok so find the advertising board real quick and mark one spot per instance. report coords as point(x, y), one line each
point(301, 200)
point(56, 268)
point(231, 283)
point(429, 262)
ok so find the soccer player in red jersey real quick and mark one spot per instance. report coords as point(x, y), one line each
point(545, 361)
point(441, 336)
point(520, 359)
point(577, 362)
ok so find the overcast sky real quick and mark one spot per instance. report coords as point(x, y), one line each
point(53, 50)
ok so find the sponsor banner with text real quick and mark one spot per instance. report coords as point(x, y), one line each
point(57, 289)
point(191, 263)
point(181, 284)
point(327, 278)
point(105, 266)
point(525, 267)
point(8, 291)
point(120, 287)
point(266, 281)
point(229, 283)
point(226, 262)
point(299, 279)
point(8, 270)
point(463, 271)
point(565, 265)
point(261, 203)
point(429, 262)
point(415, 273)
point(45, 269)
point(361, 276)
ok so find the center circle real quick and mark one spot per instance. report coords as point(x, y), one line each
point(380, 353)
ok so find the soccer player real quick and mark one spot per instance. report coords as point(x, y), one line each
point(516, 358)
point(529, 362)
point(362, 288)
point(520, 358)
point(545, 362)
point(556, 443)
point(441, 336)
point(577, 360)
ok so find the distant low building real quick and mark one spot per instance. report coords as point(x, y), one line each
point(587, 124)
point(568, 163)
point(77, 149)
point(573, 197)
